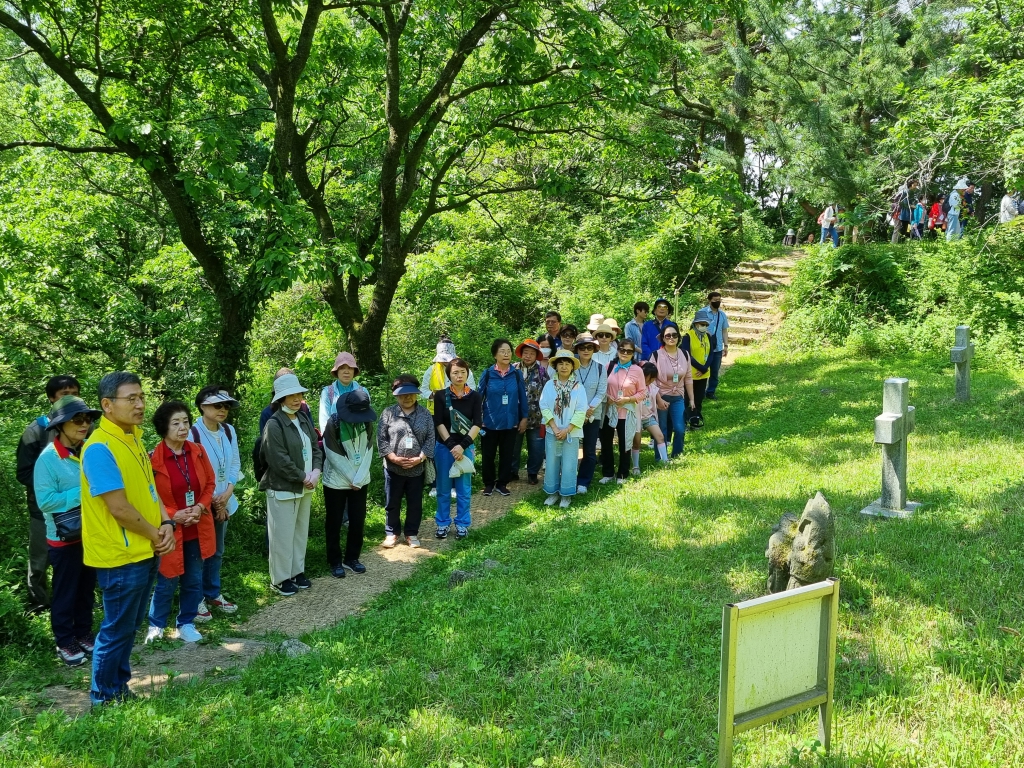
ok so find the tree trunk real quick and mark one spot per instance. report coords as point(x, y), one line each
point(232, 352)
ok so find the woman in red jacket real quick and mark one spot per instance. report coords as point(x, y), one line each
point(185, 482)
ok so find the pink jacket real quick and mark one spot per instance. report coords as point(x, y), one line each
point(673, 374)
point(629, 382)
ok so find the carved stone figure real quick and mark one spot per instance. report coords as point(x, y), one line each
point(802, 550)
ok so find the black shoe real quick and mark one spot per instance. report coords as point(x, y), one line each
point(302, 582)
point(441, 533)
point(503, 490)
point(710, 396)
point(533, 480)
point(488, 490)
point(461, 533)
point(338, 571)
point(355, 566)
point(286, 588)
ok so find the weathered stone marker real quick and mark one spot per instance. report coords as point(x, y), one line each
point(892, 429)
point(961, 354)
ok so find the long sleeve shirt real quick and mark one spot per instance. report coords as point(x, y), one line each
point(222, 451)
point(406, 435)
point(594, 379)
point(673, 372)
point(348, 454)
point(649, 339)
point(626, 382)
point(33, 440)
point(504, 398)
point(1007, 209)
point(57, 480)
point(572, 416)
point(634, 333)
point(329, 396)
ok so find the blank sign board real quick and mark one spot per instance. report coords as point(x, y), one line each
point(778, 657)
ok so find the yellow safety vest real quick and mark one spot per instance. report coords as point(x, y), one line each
point(699, 353)
point(106, 544)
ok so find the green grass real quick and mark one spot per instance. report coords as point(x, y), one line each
point(597, 641)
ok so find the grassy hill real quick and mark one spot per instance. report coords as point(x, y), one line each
point(596, 641)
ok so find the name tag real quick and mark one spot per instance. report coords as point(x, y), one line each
point(356, 457)
point(620, 395)
point(407, 443)
point(504, 399)
point(305, 453)
point(190, 498)
point(675, 378)
point(221, 475)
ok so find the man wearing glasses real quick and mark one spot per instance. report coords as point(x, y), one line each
point(34, 439)
point(124, 530)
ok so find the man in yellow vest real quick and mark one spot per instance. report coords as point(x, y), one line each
point(697, 344)
point(125, 529)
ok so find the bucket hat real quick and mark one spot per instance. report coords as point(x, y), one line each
point(288, 384)
point(445, 351)
point(344, 358)
point(584, 338)
point(606, 328)
point(666, 302)
point(531, 344)
point(595, 322)
point(702, 316)
point(564, 354)
point(355, 407)
point(65, 409)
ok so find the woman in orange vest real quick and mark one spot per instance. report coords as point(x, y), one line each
point(185, 482)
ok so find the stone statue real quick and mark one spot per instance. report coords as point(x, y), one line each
point(802, 550)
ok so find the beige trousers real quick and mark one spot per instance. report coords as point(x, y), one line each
point(288, 529)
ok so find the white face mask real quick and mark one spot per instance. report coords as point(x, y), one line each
point(289, 411)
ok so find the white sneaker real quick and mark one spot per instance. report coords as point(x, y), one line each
point(433, 493)
point(621, 481)
point(203, 612)
point(390, 540)
point(189, 633)
point(413, 541)
point(153, 634)
point(605, 480)
point(455, 496)
point(581, 489)
point(551, 500)
point(566, 501)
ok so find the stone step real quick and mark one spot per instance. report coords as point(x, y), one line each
point(784, 265)
point(742, 292)
point(773, 279)
point(743, 339)
point(762, 269)
point(743, 325)
point(745, 306)
point(753, 285)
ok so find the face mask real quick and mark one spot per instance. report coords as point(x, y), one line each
point(289, 411)
point(716, 304)
point(700, 328)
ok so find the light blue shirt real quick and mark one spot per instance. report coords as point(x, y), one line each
point(58, 485)
point(224, 458)
point(719, 322)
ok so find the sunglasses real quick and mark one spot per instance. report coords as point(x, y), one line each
point(670, 336)
point(81, 419)
point(626, 351)
point(604, 336)
point(219, 406)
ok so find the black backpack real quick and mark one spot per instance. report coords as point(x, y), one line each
point(945, 205)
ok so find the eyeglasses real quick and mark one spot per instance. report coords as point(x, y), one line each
point(132, 399)
point(81, 419)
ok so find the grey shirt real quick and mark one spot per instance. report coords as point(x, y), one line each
point(405, 435)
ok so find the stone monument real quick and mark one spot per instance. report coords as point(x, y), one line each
point(961, 355)
point(802, 550)
point(892, 428)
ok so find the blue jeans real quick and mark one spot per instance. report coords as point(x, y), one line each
point(534, 452)
point(191, 590)
point(562, 462)
point(211, 565)
point(830, 232)
point(125, 597)
point(591, 431)
point(673, 422)
point(463, 486)
point(716, 365)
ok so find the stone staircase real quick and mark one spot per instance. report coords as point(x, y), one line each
point(749, 297)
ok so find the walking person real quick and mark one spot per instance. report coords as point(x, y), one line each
point(634, 328)
point(917, 218)
point(1009, 208)
point(593, 377)
point(937, 216)
point(829, 219)
point(344, 372)
point(652, 328)
point(954, 229)
point(348, 457)
point(458, 419)
point(626, 390)
point(719, 332)
point(901, 211)
point(125, 530)
point(294, 462)
point(505, 414)
point(696, 344)
point(405, 438)
point(57, 485)
point(221, 442)
point(33, 440)
point(675, 387)
point(535, 373)
point(185, 483)
point(564, 408)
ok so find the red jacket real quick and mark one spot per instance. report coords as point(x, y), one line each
point(174, 564)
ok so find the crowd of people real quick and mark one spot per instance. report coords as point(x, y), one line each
point(146, 526)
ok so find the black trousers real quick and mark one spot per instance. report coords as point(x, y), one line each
point(397, 487)
point(608, 450)
point(74, 594)
point(700, 387)
point(338, 502)
point(500, 443)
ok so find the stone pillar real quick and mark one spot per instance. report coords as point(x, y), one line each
point(892, 428)
point(961, 355)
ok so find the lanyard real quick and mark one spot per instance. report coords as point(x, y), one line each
point(184, 473)
point(581, 377)
point(222, 459)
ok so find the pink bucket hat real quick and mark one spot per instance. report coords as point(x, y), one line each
point(345, 358)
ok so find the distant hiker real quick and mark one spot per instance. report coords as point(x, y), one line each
point(458, 419)
point(902, 210)
point(185, 482)
point(563, 405)
point(33, 440)
point(652, 328)
point(1008, 208)
point(937, 216)
point(626, 390)
point(535, 375)
point(505, 411)
point(593, 377)
point(344, 372)
point(634, 328)
point(790, 238)
point(675, 387)
point(348, 459)
point(828, 220)
point(917, 218)
point(719, 332)
point(405, 439)
point(696, 343)
point(954, 203)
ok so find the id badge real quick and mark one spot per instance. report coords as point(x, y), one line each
point(675, 378)
point(190, 498)
point(407, 443)
point(221, 475)
point(504, 399)
point(356, 457)
point(620, 395)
